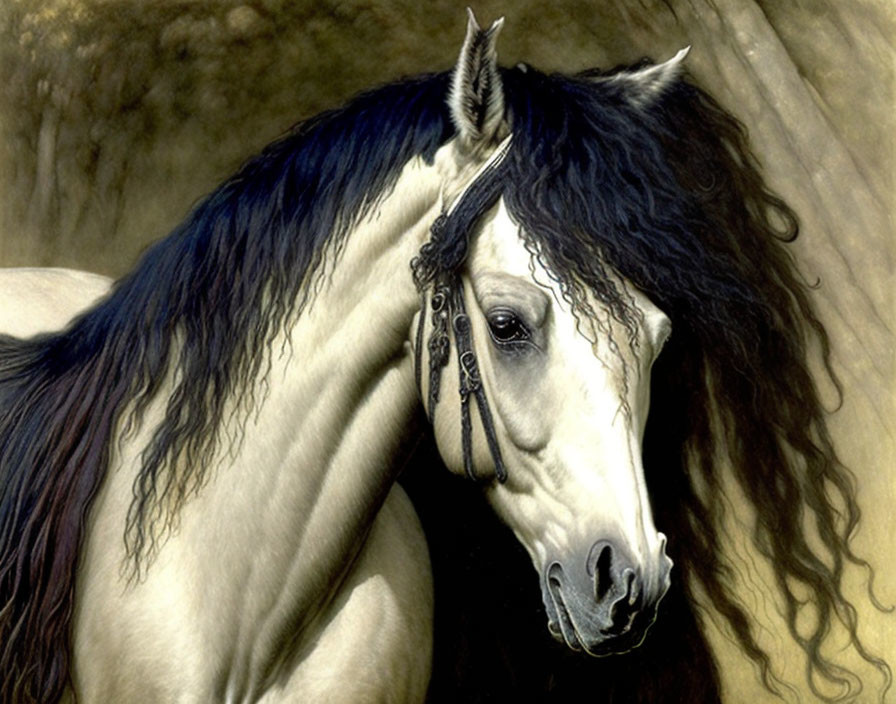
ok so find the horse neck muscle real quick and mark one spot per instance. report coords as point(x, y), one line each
point(270, 537)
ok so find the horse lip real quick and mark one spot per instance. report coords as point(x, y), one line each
point(564, 628)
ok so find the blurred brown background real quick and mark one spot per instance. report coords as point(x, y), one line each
point(116, 115)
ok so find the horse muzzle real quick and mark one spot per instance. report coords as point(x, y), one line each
point(605, 603)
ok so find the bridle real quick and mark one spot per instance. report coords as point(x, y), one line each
point(447, 302)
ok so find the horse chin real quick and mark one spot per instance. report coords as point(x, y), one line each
point(596, 644)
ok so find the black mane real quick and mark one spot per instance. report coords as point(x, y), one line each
point(224, 282)
point(669, 196)
point(666, 194)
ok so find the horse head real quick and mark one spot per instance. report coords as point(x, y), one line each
point(554, 391)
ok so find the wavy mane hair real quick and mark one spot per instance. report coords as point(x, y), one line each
point(206, 302)
point(668, 196)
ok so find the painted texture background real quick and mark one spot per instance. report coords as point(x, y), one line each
point(116, 115)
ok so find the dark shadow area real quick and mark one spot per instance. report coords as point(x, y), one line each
point(491, 637)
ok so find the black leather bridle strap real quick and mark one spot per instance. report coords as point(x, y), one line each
point(439, 344)
point(470, 383)
point(448, 303)
point(447, 249)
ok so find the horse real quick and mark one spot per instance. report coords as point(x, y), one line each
point(198, 494)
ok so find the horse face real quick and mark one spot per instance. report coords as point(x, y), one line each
point(568, 397)
point(569, 410)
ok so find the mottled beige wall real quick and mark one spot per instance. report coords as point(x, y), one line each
point(116, 115)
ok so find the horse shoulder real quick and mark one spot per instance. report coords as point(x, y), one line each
point(34, 300)
point(375, 642)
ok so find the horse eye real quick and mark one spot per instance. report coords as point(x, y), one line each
point(506, 328)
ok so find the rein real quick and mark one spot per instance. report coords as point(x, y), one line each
point(447, 304)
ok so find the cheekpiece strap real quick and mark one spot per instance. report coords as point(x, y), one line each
point(448, 304)
point(470, 384)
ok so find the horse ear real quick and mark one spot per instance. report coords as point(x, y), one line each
point(477, 97)
point(644, 85)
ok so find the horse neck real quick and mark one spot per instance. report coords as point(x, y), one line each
point(319, 455)
point(279, 524)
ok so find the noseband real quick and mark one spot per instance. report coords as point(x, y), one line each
point(448, 246)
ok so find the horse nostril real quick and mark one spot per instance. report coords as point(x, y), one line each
point(600, 568)
point(603, 579)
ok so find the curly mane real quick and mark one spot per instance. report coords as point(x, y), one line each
point(669, 196)
point(665, 194)
point(204, 305)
